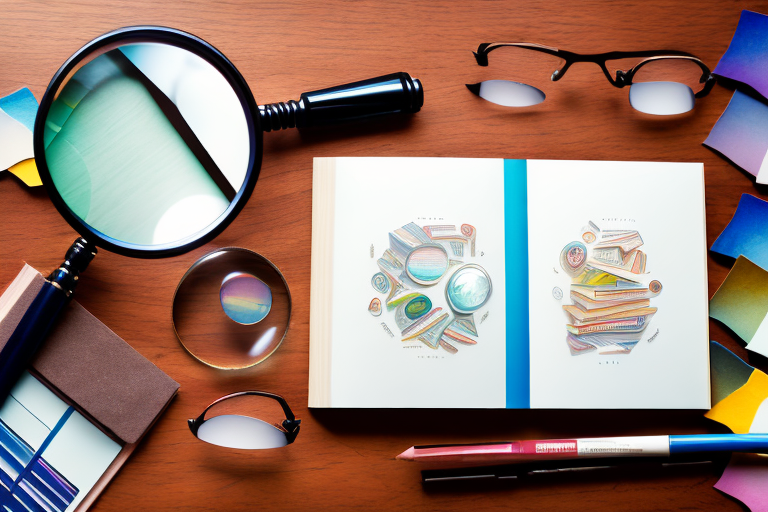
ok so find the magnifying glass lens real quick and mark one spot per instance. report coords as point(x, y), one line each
point(147, 143)
point(231, 309)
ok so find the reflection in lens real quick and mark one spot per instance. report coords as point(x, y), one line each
point(246, 299)
point(147, 143)
point(661, 98)
point(244, 432)
point(231, 309)
point(508, 94)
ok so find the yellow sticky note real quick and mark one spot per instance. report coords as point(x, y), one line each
point(26, 171)
point(738, 410)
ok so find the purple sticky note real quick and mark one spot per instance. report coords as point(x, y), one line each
point(741, 134)
point(746, 234)
point(746, 479)
point(746, 59)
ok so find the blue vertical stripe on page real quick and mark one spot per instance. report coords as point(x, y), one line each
point(516, 286)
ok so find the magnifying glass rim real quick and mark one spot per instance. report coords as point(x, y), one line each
point(211, 55)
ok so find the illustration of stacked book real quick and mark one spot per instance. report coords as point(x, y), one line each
point(611, 305)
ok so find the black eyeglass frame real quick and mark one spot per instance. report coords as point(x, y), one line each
point(290, 425)
point(622, 79)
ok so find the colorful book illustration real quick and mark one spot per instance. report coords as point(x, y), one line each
point(488, 283)
point(601, 257)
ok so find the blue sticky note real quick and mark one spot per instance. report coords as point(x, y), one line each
point(741, 134)
point(746, 234)
point(22, 106)
point(746, 59)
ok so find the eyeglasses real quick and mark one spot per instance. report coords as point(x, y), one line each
point(233, 423)
point(660, 82)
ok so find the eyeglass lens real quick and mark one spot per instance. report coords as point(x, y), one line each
point(665, 86)
point(528, 73)
point(245, 422)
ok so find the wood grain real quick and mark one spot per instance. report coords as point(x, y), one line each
point(345, 459)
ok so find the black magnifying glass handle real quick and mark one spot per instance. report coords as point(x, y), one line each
point(33, 327)
point(388, 94)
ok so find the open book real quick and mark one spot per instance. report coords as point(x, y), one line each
point(490, 283)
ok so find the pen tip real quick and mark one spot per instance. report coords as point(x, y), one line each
point(406, 455)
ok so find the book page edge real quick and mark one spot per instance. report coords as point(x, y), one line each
point(321, 281)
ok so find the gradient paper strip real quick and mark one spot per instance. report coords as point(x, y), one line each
point(745, 235)
point(741, 410)
point(745, 409)
point(15, 141)
point(746, 59)
point(741, 302)
point(741, 135)
point(22, 106)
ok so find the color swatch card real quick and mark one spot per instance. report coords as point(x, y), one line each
point(746, 479)
point(741, 135)
point(746, 59)
point(746, 233)
point(483, 283)
point(741, 303)
point(740, 402)
point(739, 393)
point(50, 455)
point(17, 122)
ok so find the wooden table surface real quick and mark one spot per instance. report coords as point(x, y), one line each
point(344, 459)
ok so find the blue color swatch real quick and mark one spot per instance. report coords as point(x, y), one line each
point(516, 286)
point(22, 106)
point(746, 59)
point(741, 133)
point(746, 234)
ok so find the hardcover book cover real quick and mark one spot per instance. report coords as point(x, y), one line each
point(490, 283)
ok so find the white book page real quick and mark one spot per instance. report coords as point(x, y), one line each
point(370, 368)
point(664, 202)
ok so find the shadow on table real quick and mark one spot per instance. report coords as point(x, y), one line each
point(432, 426)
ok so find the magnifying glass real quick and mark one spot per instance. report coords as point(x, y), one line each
point(149, 143)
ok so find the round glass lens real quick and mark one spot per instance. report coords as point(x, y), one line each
point(243, 432)
point(147, 143)
point(231, 309)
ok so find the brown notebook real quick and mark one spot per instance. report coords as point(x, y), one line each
point(87, 386)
